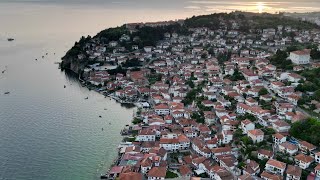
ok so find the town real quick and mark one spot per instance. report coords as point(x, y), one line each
point(226, 100)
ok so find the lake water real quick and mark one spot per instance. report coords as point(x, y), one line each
point(51, 132)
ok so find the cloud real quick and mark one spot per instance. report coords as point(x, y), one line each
point(192, 7)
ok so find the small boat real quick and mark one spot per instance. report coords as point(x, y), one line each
point(46, 53)
point(7, 92)
point(10, 39)
point(36, 59)
point(3, 71)
point(86, 98)
point(100, 116)
point(101, 129)
point(42, 56)
point(105, 109)
point(64, 86)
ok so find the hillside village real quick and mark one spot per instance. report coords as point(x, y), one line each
point(213, 103)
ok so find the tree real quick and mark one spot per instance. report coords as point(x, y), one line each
point(136, 121)
point(236, 75)
point(307, 130)
point(263, 91)
point(317, 95)
point(280, 60)
point(246, 140)
point(315, 54)
point(198, 116)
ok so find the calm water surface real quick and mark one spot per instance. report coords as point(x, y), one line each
point(51, 132)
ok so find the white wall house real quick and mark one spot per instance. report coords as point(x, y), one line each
point(256, 135)
point(276, 167)
point(317, 157)
point(300, 57)
point(247, 125)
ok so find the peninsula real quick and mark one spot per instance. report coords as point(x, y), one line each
point(220, 96)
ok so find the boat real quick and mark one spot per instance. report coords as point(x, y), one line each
point(64, 86)
point(7, 92)
point(101, 129)
point(100, 116)
point(10, 39)
point(86, 98)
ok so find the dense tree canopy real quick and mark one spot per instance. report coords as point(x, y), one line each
point(263, 91)
point(307, 130)
point(280, 60)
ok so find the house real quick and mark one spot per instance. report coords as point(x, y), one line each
point(251, 102)
point(146, 165)
point(252, 167)
point(220, 173)
point(293, 172)
point(279, 138)
point(269, 176)
point(168, 119)
point(295, 78)
point(303, 161)
point(130, 176)
point(275, 167)
point(190, 132)
point(247, 125)
point(157, 173)
point(264, 154)
point(221, 151)
point(281, 126)
point(209, 117)
point(174, 143)
point(305, 147)
point(227, 136)
point(245, 177)
point(207, 103)
point(317, 157)
point(200, 147)
point(185, 171)
point(317, 170)
point(249, 75)
point(162, 109)
point(242, 108)
point(227, 161)
point(148, 49)
point(256, 135)
point(146, 135)
point(289, 148)
point(300, 57)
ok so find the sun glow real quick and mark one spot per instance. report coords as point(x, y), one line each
point(260, 6)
